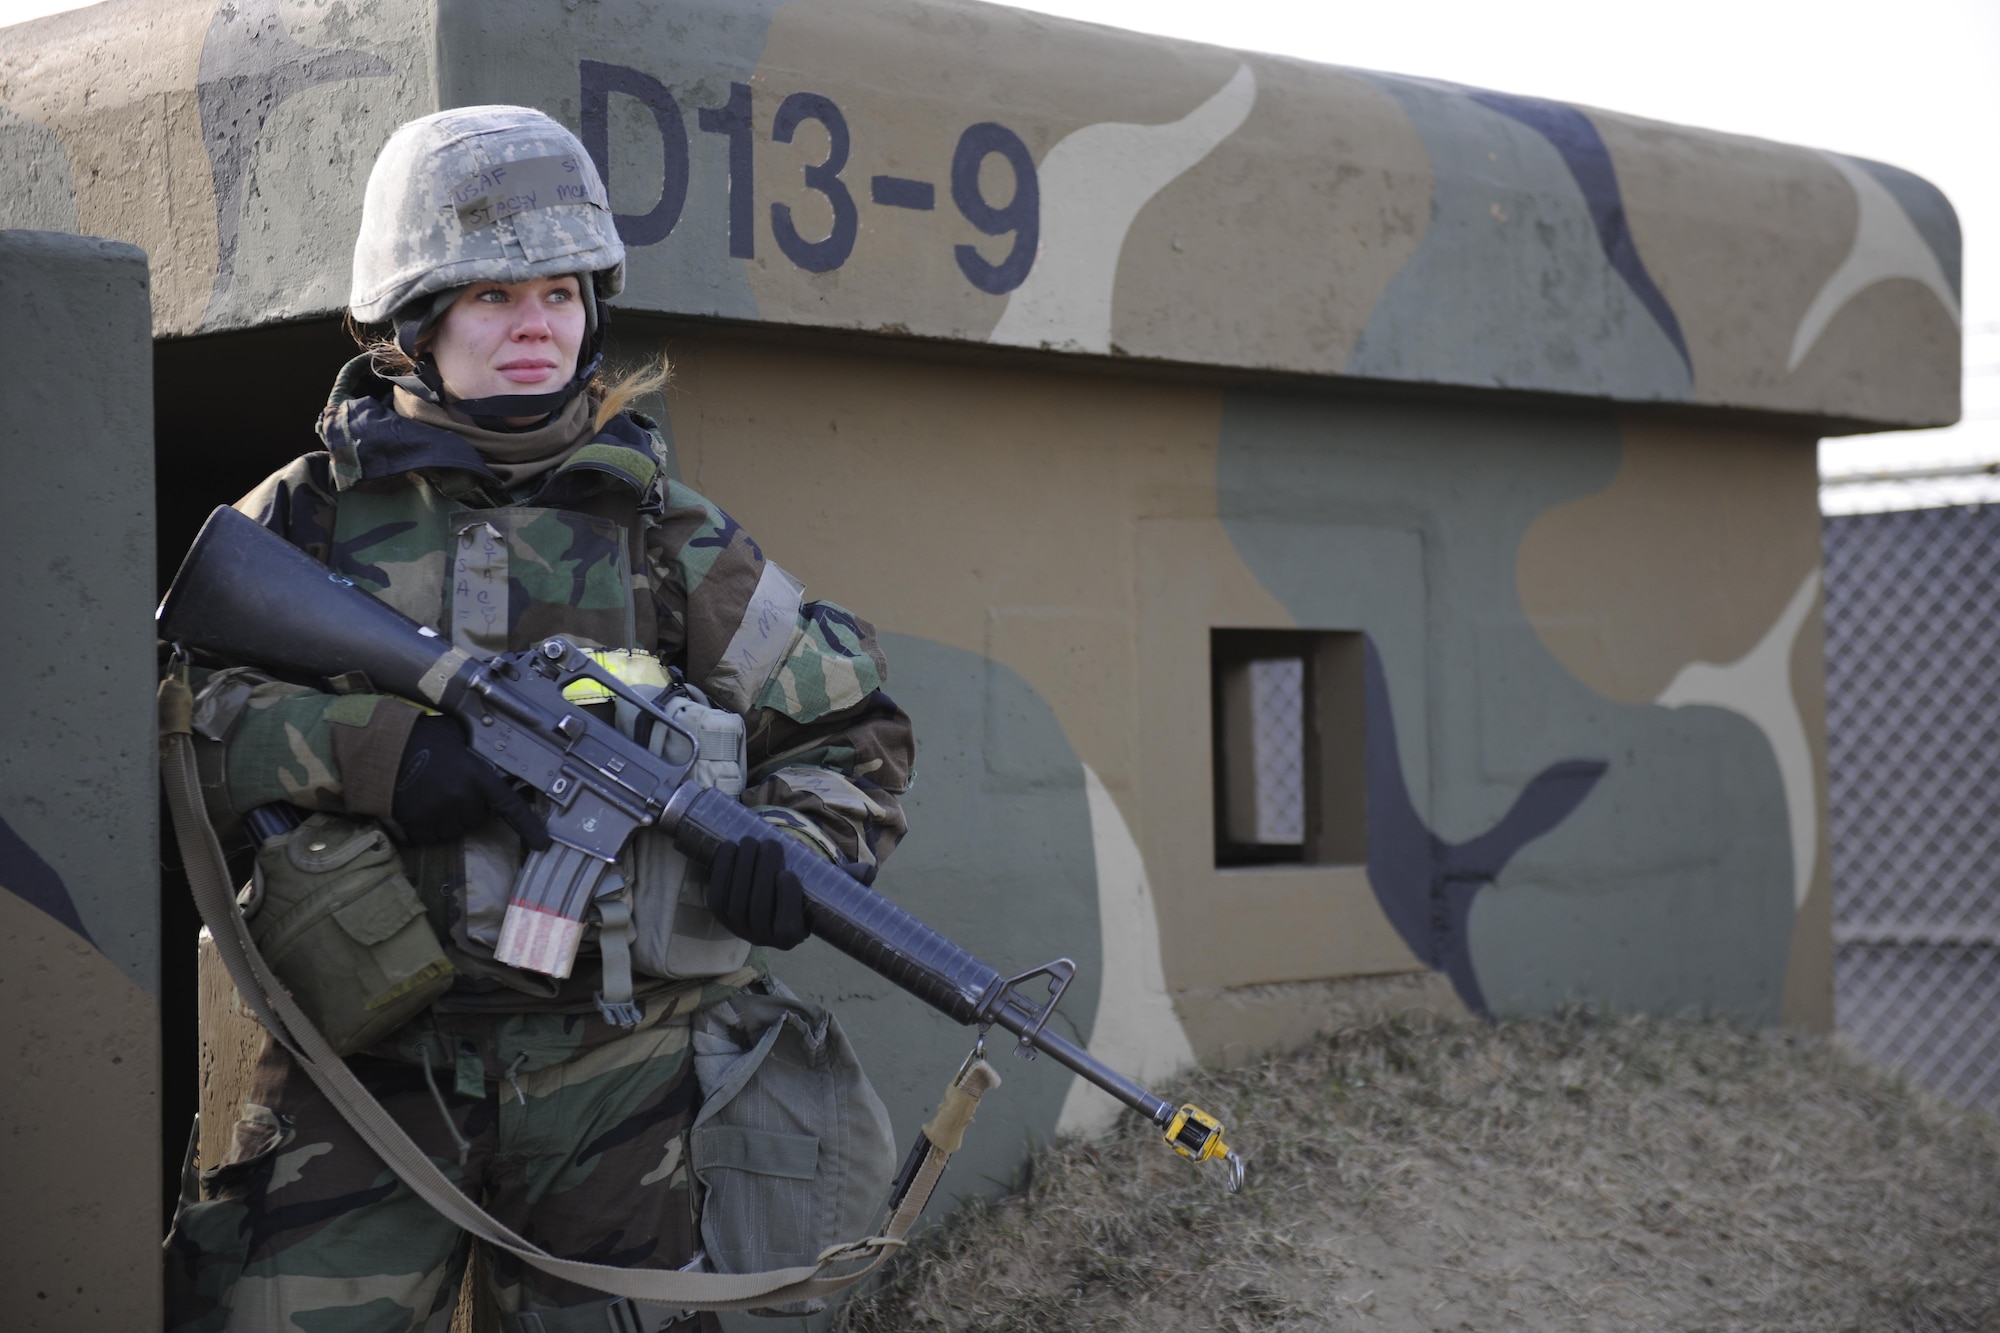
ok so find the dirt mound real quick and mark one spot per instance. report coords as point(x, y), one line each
point(1572, 1172)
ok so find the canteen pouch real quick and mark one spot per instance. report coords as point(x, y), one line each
point(339, 922)
point(792, 1147)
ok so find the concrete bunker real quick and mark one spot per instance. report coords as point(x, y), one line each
point(1059, 368)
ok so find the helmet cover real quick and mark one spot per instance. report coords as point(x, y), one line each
point(480, 194)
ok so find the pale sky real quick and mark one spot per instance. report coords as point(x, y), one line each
point(1915, 83)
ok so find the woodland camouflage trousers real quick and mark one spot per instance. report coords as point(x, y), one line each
point(582, 1150)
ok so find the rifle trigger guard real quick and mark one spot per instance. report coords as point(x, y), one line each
point(1060, 973)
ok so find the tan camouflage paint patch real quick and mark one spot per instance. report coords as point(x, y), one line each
point(1284, 267)
point(83, 1088)
point(231, 1041)
point(122, 87)
point(1688, 555)
point(1846, 370)
point(953, 485)
point(121, 98)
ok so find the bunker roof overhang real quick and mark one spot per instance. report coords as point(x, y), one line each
point(966, 172)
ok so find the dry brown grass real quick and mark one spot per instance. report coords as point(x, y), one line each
point(1572, 1172)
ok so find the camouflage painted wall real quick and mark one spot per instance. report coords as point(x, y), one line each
point(1593, 740)
point(1593, 754)
point(962, 171)
point(79, 853)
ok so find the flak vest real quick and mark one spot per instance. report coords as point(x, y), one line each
point(501, 579)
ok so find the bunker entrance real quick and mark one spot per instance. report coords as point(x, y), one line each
point(227, 410)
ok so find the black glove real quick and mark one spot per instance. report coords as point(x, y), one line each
point(752, 892)
point(445, 791)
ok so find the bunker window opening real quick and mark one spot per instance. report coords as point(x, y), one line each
point(1286, 716)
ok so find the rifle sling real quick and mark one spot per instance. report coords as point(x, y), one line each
point(273, 1006)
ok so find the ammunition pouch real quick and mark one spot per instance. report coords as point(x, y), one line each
point(330, 908)
point(657, 922)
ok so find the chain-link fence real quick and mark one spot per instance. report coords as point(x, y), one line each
point(1913, 736)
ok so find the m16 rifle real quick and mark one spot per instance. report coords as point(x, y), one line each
point(247, 595)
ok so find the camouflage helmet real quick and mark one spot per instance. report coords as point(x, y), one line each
point(480, 194)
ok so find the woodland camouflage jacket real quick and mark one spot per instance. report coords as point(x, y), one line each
point(607, 550)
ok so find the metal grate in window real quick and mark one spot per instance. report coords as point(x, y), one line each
point(1278, 744)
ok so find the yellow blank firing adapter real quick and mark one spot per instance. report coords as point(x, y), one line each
point(1197, 1136)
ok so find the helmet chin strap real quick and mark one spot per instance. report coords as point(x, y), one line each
point(496, 411)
